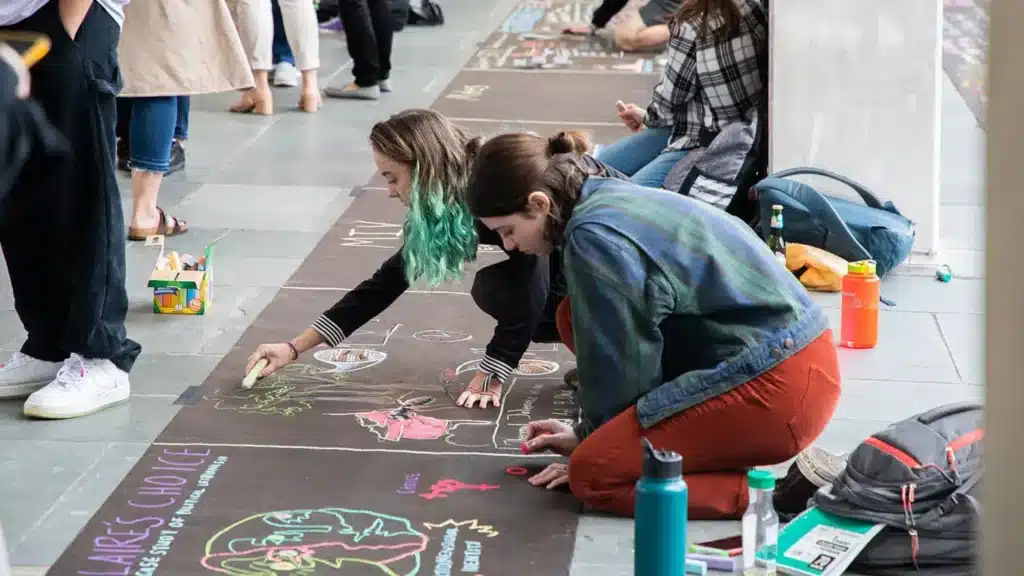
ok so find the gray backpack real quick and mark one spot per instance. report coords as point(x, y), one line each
point(921, 478)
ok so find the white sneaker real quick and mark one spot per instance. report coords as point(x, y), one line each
point(82, 386)
point(286, 75)
point(23, 375)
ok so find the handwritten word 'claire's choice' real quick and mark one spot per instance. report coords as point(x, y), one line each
point(445, 561)
point(144, 536)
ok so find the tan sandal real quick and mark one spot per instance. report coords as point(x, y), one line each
point(168, 226)
point(251, 103)
point(310, 102)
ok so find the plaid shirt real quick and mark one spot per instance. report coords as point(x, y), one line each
point(708, 84)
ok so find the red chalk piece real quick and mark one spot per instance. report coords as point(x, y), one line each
point(524, 448)
point(516, 471)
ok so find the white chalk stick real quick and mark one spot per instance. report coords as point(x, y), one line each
point(250, 378)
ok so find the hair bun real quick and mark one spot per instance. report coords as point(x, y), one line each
point(473, 145)
point(567, 142)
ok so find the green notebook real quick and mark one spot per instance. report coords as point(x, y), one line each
point(816, 543)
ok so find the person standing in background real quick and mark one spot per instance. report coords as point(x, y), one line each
point(171, 49)
point(369, 36)
point(645, 29)
point(62, 231)
point(255, 22)
point(284, 74)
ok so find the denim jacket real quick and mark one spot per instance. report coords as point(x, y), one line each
point(674, 302)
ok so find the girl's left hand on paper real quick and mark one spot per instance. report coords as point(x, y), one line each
point(553, 476)
point(475, 393)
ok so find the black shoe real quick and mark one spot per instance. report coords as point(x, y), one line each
point(177, 163)
point(572, 379)
point(813, 468)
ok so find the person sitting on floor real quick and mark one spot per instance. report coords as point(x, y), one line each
point(645, 29)
point(425, 160)
point(690, 332)
point(713, 78)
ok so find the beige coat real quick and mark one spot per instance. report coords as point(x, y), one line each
point(181, 47)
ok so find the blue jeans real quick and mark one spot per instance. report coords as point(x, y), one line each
point(282, 51)
point(640, 156)
point(155, 122)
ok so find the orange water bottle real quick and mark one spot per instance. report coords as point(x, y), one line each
point(861, 294)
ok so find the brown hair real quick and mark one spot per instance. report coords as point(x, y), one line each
point(428, 143)
point(723, 14)
point(511, 166)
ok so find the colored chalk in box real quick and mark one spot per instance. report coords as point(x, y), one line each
point(181, 283)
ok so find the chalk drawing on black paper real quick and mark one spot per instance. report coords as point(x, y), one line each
point(527, 367)
point(441, 336)
point(349, 359)
point(473, 525)
point(367, 234)
point(445, 486)
point(407, 422)
point(366, 337)
point(309, 541)
point(297, 388)
point(468, 92)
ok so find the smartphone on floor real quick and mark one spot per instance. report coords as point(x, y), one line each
point(731, 546)
point(32, 46)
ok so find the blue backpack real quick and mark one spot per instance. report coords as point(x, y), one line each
point(870, 231)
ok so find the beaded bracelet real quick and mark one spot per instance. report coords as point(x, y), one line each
point(294, 350)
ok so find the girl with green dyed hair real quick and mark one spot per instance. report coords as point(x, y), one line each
point(426, 160)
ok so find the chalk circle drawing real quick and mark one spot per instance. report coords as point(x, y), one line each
point(406, 423)
point(350, 359)
point(516, 471)
point(441, 336)
point(317, 541)
point(527, 367)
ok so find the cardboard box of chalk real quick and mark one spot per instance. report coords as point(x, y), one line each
point(180, 284)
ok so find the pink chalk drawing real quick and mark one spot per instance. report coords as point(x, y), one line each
point(335, 540)
point(442, 488)
point(406, 423)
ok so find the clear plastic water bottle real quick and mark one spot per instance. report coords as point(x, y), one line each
point(760, 526)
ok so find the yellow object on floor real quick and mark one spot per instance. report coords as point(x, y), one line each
point(823, 271)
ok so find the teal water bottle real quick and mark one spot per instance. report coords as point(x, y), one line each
point(660, 515)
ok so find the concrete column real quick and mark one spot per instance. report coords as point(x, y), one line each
point(856, 89)
point(1003, 527)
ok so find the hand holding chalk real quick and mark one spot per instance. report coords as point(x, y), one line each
point(552, 435)
point(253, 374)
point(267, 359)
point(631, 115)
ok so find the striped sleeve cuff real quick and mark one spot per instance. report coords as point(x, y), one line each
point(495, 368)
point(330, 331)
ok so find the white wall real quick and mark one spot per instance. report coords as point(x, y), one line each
point(855, 88)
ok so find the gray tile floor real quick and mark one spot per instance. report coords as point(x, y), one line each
point(268, 188)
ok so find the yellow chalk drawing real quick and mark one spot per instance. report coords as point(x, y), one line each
point(473, 525)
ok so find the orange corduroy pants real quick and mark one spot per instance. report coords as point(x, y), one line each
point(766, 421)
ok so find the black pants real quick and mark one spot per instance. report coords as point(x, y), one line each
point(63, 236)
point(368, 33)
point(504, 292)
